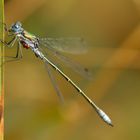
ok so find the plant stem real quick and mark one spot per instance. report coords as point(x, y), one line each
point(1, 67)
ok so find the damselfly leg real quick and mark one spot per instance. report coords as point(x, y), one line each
point(5, 26)
point(10, 44)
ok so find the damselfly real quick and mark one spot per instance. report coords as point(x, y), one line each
point(27, 40)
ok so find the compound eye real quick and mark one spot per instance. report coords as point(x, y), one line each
point(16, 26)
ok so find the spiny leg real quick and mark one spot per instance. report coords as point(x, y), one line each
point(5, 26)
point(6, 29)
point(10, 43)
point(18, 55)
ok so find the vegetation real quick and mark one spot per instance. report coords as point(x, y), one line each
point(1, 68)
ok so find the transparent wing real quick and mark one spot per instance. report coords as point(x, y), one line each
point(68, 45)
point(68, 62)
point(56, 87)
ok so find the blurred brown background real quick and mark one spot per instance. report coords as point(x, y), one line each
point(112, 30)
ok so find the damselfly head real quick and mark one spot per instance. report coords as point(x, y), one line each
point(16, 28)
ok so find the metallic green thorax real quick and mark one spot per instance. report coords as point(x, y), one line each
point(29, 36)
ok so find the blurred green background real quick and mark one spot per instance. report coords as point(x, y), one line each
point(112, 30)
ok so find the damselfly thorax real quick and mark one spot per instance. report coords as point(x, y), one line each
point(27, 41)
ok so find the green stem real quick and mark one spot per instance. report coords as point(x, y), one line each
point(1, 67)
point(1, 45)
